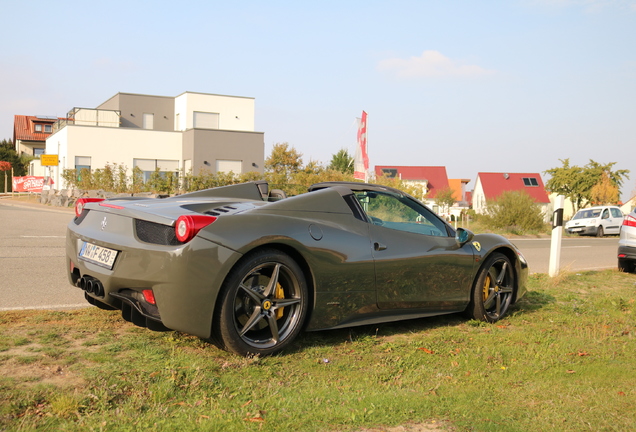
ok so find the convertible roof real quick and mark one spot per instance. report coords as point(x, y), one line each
point(354, 186)
point(257, 191)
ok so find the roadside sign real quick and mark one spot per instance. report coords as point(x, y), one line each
point(49, 160)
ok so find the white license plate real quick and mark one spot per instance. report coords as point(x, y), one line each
point(577, 229)
point(98, 255)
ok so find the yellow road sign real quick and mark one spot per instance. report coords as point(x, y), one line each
point(48, 160)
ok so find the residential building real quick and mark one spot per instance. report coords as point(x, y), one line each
point(629, 205)
point(490, 186)
point(461, 195)
point(432, 179)
point(191, 132)
point(30, 133)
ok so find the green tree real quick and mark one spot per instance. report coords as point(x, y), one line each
point(445, 198)
point(282, 163)
point(576, 183)
point(342, 161)
point(20, 164)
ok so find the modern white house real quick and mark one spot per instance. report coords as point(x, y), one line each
point(192, 132)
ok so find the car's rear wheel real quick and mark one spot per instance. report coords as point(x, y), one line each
point(493, 290)
point(262, 306)
point(600, 232)
point(626, 266)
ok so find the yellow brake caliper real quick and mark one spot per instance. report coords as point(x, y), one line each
point(279, 294)
point(486, 287)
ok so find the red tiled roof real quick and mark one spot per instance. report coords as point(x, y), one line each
point(494, 184)
point(23, 128)
point(434, 175)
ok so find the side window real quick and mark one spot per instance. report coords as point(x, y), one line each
point(400, 213)
point(605, 214)
point(616, 213)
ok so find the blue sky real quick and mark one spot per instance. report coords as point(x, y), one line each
point(503, 86)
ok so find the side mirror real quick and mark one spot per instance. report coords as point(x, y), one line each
point(463, 236)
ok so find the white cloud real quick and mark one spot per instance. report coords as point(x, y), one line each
point(431, 64)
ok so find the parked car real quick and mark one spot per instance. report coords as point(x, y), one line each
point(597, 221)
point(248, 273)
point(627, 244)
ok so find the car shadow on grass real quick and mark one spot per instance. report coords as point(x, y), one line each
point(533, 301)
point(530, 303)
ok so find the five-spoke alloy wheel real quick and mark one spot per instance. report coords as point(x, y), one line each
point(262, 306)
point(493, 290)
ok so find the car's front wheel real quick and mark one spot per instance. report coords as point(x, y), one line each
point(600, 232)
point(262, 306)
point(493, 290)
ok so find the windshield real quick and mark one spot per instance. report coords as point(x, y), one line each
point(587, 214)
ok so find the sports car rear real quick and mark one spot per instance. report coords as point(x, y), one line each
point(123, 260)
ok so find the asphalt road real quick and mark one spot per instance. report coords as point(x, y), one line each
point(32, 257)
point(32, 262)
point(577, 253)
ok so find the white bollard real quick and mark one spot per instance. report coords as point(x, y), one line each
point(557, 234)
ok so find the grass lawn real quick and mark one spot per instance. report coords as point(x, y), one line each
point(564, 360)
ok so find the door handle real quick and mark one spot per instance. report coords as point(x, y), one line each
point(379, 246)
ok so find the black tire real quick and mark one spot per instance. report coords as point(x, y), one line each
point(262, 305)
point(626, 266)
point(600, 232)
point(494, 289)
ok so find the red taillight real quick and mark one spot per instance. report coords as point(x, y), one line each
point(79, 205)
point(149, 296)
point(188, 226)
point(629, 221)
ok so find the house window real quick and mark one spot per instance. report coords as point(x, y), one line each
point(148, 121)
point(530, 182)
point(149, 166)
point(37, 152)
point(226, 166)
point(38, 128)
point(81, 163)
point(206, 120)
point(389, 172)
point(48, 128)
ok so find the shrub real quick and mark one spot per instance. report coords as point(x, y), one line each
point(515, 211)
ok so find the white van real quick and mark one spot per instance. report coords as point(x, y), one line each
point(596, 221)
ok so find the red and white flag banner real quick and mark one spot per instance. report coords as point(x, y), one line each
point(28, 184)
point(361, 160)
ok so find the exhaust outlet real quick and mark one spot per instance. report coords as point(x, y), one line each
point(91, 285)
point(98, 288)
point(81, 283)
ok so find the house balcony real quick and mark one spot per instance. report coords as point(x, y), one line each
point(89, 117)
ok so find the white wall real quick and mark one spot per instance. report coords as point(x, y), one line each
point(111, 146)
point(479, 198)
point(235, 113)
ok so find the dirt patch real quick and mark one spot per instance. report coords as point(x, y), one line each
point(414, 427)
point(39, 373)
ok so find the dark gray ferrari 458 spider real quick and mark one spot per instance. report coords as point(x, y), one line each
point(248, 268)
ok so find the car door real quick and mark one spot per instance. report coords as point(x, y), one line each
point(612, 224)
point(418, 263)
